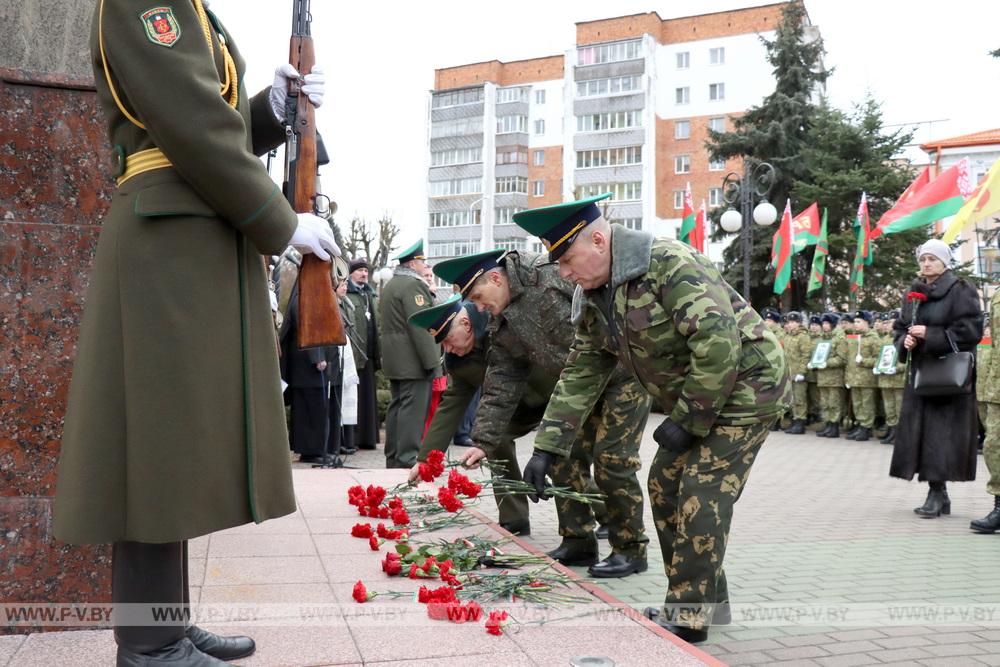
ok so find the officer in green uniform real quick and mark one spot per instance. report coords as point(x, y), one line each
point(532, 331)
point(861, 359)
point(815, 333)
point(798, 351)
point(410, 357)
point(845, 326)
point(175, 426)
point(663, 311)
point(891, 382)
point(462, 331)
point(830, 376)
point(772, 318)
point(990, 376)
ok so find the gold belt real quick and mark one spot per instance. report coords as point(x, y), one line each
point(143, 161)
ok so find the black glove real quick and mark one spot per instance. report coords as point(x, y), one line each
point(534, 473)
point(672, 437)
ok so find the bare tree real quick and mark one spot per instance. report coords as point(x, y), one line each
point(387, 233)
point(361, 238)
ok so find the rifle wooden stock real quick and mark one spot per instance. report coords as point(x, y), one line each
point(319, 320)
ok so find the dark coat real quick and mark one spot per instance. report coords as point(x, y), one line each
point(936, 437)
point(298, 367)
point(366, 323)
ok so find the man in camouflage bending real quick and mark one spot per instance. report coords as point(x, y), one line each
point(664, 312)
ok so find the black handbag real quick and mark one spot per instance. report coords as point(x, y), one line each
point(949, 375)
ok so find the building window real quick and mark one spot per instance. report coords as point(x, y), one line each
point(539, 127)
point(456, 156)
point(451, 248)
point(517, 155)
point(537, 247)
point(682, 164)
point(456, 186)
point(454, 218)
point(539, 97)
point(511, 243)
point(683, 60)
point(615, 120)
point(538, 188)
point(716, 165)
point(609, 53)
point(519, 94)
point(456, 98)
point(617, 84)
point(716, 91)
point(507, 184)
point(629, 191)
point(682, 129)
point(505, 216)
point(609, 157)
point(508, 124)
point(678, 199)
point(715, 196)
point(538, 158)
point(682, 95)
point(717, 56)
point(457, 128)
point(631, 223)
point(717, 124)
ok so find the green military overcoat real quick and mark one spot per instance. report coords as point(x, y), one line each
point(408, 352)
point(175, 426)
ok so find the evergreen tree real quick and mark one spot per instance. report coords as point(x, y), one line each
point(776, 131)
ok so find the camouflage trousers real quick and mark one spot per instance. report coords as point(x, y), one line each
point(800, 400)
point(832, 401)
point(863, 401)
point(814, 405)
point(610, 440)
point(892, 401)
point(692, 495)
point(991, 448)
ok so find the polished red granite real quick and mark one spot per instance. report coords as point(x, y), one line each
point(55, 185)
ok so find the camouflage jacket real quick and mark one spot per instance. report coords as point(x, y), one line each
point(866, 347)
point(896, 380)
point(534, 332)
point(988, 372)
point(833, 374)
point(798, 351)
point(690, 340)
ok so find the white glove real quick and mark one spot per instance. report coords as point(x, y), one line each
point(857, 359)
point(800, 377)
point(313, 235)
point(821, 366)
point(891, 371)
point(313, 86)
point(847, 386)
point(274, 300)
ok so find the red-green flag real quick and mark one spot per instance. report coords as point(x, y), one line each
point(688, 221)
point(818, 271)
point(781, 251)
point(920, 205)
point(806, 226)
point(863, 254)
point(699, 228)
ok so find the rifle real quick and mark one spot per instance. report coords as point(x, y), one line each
point(319, 319)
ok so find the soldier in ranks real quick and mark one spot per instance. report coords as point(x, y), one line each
point(989, 376)
point(890, 381)
point(830, 374)
point(532, 331)
point(815, 333)
point(410, 357)
point(772, 319)
point(798, 351)
point(859, 376)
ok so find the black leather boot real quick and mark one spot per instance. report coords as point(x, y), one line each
point(688, 634)
point(618, 565)
point(989, 523)
point(181, 653)
point(575, 551)
point(862, 434)
point(834, 431)
point(519, 527)
point(824, 432)
point(889, 437)
point(602, 532)
point(853, 432)
point(937, 502)
point(798, 427)
point(777, 425)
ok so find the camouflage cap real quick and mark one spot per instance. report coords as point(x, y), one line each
point(415, 251)
point(463, 271)
point(559, 224)
point(437, 319)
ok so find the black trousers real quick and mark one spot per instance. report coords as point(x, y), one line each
point(151, 581)
point(366, 434)
point(335, 437)
point(310, 420)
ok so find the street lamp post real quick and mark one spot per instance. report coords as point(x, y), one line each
point(472, 223)
point(755, 182)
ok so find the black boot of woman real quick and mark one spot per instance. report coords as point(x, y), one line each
point(937, 502)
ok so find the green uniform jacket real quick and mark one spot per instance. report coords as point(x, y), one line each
point(363, 298)
point(531, 336)
point(989, 372)
point(896, 380)
point(690, 340)
point(175, 425)
point(811, 372)
point(408, 352)
point(833, 374)
point(798, 351)
point(859, 373)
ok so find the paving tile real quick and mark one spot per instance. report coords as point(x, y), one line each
point(900, 654)
point(344, 545)
point(289, 646)
point(263, 570)
point(903, 642)
point(943, 650)
point(80, 648)
point(549, 645)
point(8, 647)
point(798, 652)
point(290, 524)
point(231, 546)
point(845, 660)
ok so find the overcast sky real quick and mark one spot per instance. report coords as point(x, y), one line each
point(926, 61)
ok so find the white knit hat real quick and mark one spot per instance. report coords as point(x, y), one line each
point(937, 248)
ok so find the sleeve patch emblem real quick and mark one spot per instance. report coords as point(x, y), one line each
point(419, 299)
point(161, 26)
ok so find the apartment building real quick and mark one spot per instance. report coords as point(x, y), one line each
point(626, 110)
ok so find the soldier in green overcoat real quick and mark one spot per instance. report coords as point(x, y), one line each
point(861, 359)
point(175, 426)
point(410, 357)
point(891, 382)
point(532, 332)
point(798, 351)
point(988, 375)
point(663, 311)
point(830, 376)
point(815, 333)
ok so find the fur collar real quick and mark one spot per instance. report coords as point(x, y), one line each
point(631, 251)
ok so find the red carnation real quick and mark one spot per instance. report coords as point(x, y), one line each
point(400, 517)
point(471, 489)
point(362, 530)
point(392, 564)
point(413, 571)
point(376, 494)
point(429, 564)
point(362, 510)
point(456, 480)
point(396, 503)
point(445, 566)
point(383, 512)
point(448, 500)
point(916, 296)
point(373, 543)
point(451, 580)
point(361, 594)
point(495, 623)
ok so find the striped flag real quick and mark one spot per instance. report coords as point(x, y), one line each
point(818, 271)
